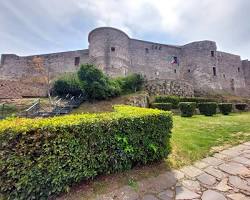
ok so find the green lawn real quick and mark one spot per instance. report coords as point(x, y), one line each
point(193, 138)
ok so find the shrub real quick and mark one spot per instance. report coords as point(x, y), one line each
point(42, 157)
point(168, 99)
point(162, 106)
point(131, 83)
point(196, 99)
point(67, 84)
point(225, 108)
point(208, 108)
point(187, 108)
point(96, 84)
point(241, 106)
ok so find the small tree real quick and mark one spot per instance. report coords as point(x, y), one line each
point(96, 84)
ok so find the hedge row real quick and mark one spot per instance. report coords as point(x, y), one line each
point(175, 100)
point(162, 106)
point(43, 157)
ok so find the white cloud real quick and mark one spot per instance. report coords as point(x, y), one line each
point(62, 23)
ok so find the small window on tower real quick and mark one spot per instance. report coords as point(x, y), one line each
point(175, 60)
point(238, 69)
point(77, 61)
point(174, 70)
point(112, 49)
point(214, 71)
point(212, 53)
point(189, 70)
point(224, 76)
point(146, 50)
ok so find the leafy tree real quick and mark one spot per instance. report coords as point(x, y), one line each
point(96, 84)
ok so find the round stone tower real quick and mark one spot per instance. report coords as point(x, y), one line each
point(109, 50)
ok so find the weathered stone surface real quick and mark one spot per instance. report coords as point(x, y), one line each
point(238, 196)
point(222, 186)
point(178, 174)
point(184, 193)
point(212, 195)
point(239, 183)
point(166, 195)
point(191, 185)
point(206, 179)
point(246, 155)
point(124, 193)
point(201, 165)
point(191, 171)
point(242, 160)
point(234, 169)
point(231, 153)
point(221, 156)
point(215, 172)
point(212, 161)
point(157, 184)
point(149, 197)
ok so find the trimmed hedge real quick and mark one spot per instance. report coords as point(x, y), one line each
point(168, 99)
point(225, 108)
point(187, 108)
point(241, 106)
point(208, 108)
point(162, 106)
point(175, 100)
point(43, 157)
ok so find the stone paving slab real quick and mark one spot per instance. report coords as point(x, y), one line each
point(224, 176)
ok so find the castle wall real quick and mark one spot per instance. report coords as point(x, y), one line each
point(153, 60)
point(198, 64)
point(38, 70)
point(246, 72)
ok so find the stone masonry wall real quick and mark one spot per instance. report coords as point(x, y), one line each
point(169, 87)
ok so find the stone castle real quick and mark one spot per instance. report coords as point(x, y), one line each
point(196, 67)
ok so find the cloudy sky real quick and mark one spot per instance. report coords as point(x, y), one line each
point(44, 26)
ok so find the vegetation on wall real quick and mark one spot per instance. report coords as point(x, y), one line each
point(95, 85)
point(42, 157)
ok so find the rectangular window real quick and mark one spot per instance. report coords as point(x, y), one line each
point(112, 49)
point(214, 71)
point(77, 61)
point(238, 69)
point(212, 53)
point(174, 70)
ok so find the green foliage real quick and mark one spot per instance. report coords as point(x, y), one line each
point(241, 106)
point(43, 157)
point(225, 108)
point(67, 84)
point(96, 84)
point(175, 100)
point(131, 83)
point(208, 108)
point(187, 108)
point(162, 106)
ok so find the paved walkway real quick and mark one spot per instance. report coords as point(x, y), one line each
point(224, 176)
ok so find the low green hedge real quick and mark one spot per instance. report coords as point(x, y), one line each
point(225, 108)
point(175, 100)
point(168, 99)
point(43, 157)
point(208, 108)
point(241, 106)
point(187, 108)
point(162, 106)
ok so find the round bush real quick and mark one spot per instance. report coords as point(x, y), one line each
point(187, 108)
point(208, 108)
point(225, 108)
point(162, 106)
point(241, 106)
